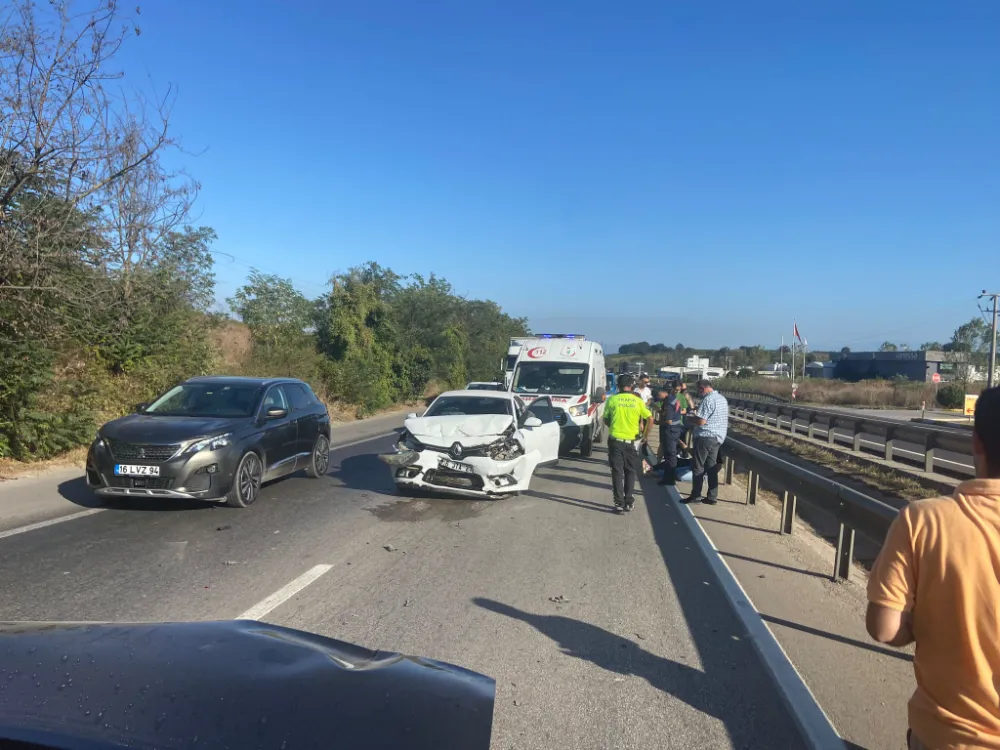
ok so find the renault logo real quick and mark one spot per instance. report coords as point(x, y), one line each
point(456, 450)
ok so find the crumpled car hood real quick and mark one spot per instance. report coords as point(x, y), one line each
point(468, 430)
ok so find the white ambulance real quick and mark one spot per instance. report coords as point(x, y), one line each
point(570, 370)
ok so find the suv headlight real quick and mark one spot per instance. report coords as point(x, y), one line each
point(580, 410)
point(212, 443)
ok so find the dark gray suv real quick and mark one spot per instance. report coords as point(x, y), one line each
point(211, 438)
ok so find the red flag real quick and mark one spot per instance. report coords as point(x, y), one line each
point(795, 330)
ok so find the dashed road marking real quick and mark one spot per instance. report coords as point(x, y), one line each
point(50, 522)
point(285, 593)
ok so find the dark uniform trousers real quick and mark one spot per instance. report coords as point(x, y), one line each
point(669, 435)
point(624, 460)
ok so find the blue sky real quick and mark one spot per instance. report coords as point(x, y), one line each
point(696, 172)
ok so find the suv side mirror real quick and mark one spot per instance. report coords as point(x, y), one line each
point(532, 422)
point(276, 412)
point(140, 408)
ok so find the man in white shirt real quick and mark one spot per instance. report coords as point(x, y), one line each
point(644, 391)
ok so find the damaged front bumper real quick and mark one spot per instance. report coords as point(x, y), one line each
point(474, 476)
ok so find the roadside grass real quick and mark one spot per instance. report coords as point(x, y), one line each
point(11, 469)
point(885, 480)
point(868, 394)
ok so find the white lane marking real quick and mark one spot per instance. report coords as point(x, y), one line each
point(816, 727)
point(338, 446)
point(285, 593)
point(50, 522)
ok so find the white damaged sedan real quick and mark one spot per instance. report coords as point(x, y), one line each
point(476, 444)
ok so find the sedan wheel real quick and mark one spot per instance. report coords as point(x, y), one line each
point(320, 460)
point(246, 483)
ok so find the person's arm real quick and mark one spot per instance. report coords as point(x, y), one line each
point(892, 586)
point(609, 410)
point(646, 414)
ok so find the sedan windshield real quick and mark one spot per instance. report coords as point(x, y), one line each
point(449, 406)
point(207, 400)
point(551, 377)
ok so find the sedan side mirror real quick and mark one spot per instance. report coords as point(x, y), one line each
point(411, 415)
point(276, 412)
point(140, 408)
point(532, 422)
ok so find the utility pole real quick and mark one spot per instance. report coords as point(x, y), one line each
point(991, 374)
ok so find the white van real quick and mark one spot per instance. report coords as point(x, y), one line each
point(571, 370)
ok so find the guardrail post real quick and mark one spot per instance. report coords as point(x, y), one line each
point(889, 439)
point(811, 429)
point(791, 423)
point(753, 484)
point(788, 503)
point(845, 553)
point(831, 435)
point(857, 436)
point(730, 468)
point(929, 454)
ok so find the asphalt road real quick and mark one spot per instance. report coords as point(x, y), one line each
point(601, 631)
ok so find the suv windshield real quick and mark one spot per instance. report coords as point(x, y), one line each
point(450, 406)
point(567, 379)
point(207, 400)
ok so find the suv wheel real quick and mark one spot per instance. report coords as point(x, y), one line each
point(587, 441)
point(246, 483)
point(319, 462)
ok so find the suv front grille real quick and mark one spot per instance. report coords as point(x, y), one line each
point(136, 452)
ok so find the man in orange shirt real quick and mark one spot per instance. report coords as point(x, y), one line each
point(937, 582)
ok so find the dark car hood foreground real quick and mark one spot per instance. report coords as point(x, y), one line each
point(146, 428)
point(236, 684)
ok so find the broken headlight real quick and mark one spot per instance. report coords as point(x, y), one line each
point(506, 448)
point(408, 443)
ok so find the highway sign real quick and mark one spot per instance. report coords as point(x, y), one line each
point(936, 377)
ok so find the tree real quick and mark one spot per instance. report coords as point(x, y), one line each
point(888, 346)
point(930, 346)
point(968, 349)
point(273, 309)
point(845, 350)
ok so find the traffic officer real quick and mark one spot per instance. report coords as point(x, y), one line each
point(623, 414)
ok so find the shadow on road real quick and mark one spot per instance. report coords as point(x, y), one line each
point(625, 657)
point(789, 568)
point(365, 472)
point(584, 504)
point(77, 492)
point(838, 638)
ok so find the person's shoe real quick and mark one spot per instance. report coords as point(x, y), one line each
point(628, 507)
point(710, 501)
point(619, 510)
point(691, 499)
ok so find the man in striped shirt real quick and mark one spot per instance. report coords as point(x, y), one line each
point(712, 425)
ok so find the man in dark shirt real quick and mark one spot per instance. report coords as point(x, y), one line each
point(671, 420)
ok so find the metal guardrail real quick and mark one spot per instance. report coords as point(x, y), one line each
point(853, 509)
point(755, 395)
point(930, 441)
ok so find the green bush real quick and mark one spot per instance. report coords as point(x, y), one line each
point(951, 396)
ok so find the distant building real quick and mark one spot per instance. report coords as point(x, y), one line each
point(826, 370)
point(855, 366)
